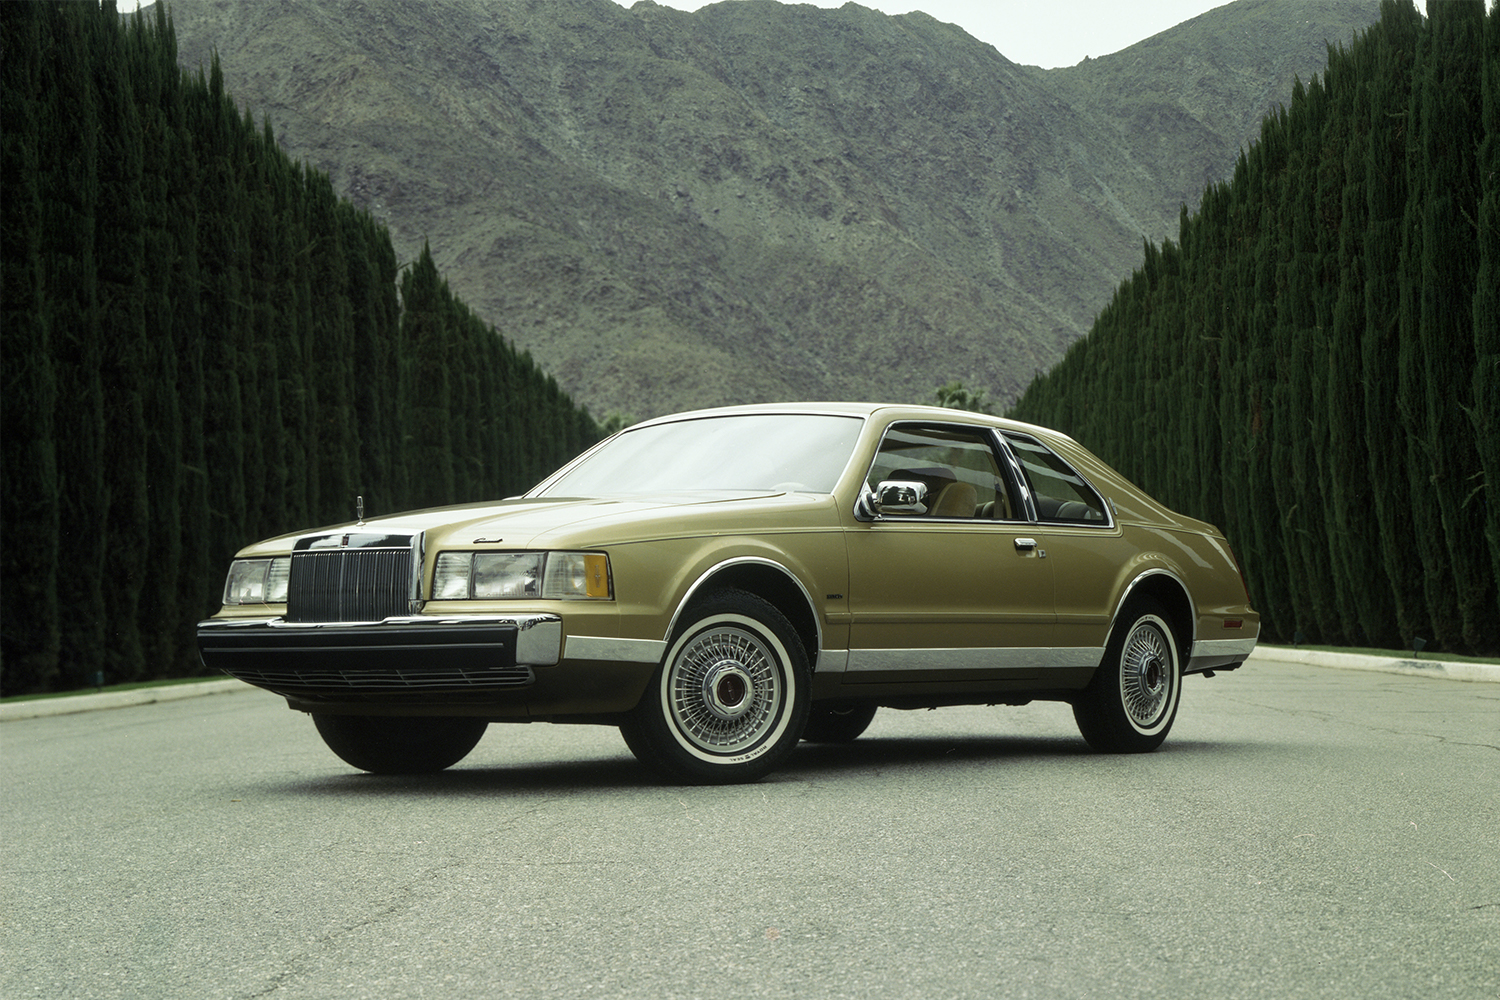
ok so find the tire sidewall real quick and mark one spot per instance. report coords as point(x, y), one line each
point(1168, 713)
point(654, 733)
point(399, 744)
point(786, 681)
point(1100, 711)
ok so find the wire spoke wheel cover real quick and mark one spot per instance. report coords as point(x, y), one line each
point(1131, 703)
point(730, 699)
point(1146, 678)
point(725, 690)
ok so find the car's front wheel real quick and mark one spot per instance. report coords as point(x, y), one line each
point(1131, 702)
point(399, 745)
point(730, 698)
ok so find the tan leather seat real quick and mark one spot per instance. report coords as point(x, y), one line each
point(997, 509)
point(955, 500)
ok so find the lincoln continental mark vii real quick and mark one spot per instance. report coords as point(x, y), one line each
point(724, 583)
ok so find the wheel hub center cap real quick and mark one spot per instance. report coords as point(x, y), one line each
point(728, 690)
point(1151, 674)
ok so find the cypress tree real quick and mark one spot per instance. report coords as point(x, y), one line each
point(29, 637)
point(199, 576)
point(1413, 387)
point(1333, 282)
point(1386, 190)
point(1486, 306)
point(376, 388)
point(1446, 199)
point(331, 335)
point(222, 317)
point(1332, 137)
point(424, 344)
point(253, 317)
point(1237, 419)
point(463, 330)
point(183, 313)
point(69, 155)
point(125, 374)
point(161, 614)
point(508, 455)
point(1205, 252)
point(1298, 348)
point(1321, 182)
point(1358, 571)
point(1268, 439)
point(278, 471)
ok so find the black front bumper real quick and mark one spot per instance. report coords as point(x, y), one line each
point(418, 655)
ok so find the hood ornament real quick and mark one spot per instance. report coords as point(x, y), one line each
point(359, 510)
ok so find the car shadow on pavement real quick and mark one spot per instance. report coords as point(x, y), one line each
point(886, 751)
point(947, 751)
point(531, 776)
point(822, 761)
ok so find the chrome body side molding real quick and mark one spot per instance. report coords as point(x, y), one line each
point(593, 647)
point(977, 658)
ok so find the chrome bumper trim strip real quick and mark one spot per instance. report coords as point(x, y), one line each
point(538, 635)
point(1059, 657)
point(593, 647)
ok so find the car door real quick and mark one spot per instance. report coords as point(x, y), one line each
point(953, 584)
point(1084, 544)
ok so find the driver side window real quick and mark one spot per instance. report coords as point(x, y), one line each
point(955, 467)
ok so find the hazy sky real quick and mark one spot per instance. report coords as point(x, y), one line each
point(1051, 33)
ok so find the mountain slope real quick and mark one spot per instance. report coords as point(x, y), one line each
point(759, 201)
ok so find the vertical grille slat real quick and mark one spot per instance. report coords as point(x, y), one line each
point(349, 584)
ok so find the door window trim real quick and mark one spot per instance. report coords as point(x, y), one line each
point(1006, 473)
point(1034, 508)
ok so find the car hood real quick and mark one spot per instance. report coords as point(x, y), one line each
point(550, 521)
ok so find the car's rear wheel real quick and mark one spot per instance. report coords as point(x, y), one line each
point(1130, 704)
point(399, 745)
point(838, 722)
point(730, 698)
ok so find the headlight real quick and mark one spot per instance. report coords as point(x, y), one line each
point(257, 581)
point(506, 574)
point(490, 576)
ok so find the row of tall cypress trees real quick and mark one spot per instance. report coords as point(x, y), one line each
point(204, 345)
point(1314, 365)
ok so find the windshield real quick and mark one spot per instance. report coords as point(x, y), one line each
point(784, 452)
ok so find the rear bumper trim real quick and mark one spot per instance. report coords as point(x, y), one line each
point(1218, 654)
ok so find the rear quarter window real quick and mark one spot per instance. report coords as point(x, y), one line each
point(1061, 494)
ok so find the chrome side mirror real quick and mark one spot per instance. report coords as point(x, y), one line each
point(893, 496)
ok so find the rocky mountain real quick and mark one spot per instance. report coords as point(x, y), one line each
point(760, 201)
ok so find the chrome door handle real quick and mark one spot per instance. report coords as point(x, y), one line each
point(1025, 544)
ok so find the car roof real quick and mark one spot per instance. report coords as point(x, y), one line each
point(889, 411)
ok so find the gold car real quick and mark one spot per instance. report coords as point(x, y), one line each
point(722, 583)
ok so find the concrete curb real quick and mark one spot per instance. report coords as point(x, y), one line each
point(1440, 669)
point(69, 704)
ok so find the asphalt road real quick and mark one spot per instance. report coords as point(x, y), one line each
point(1303, 833)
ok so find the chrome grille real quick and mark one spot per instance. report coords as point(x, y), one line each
point(349, 584)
